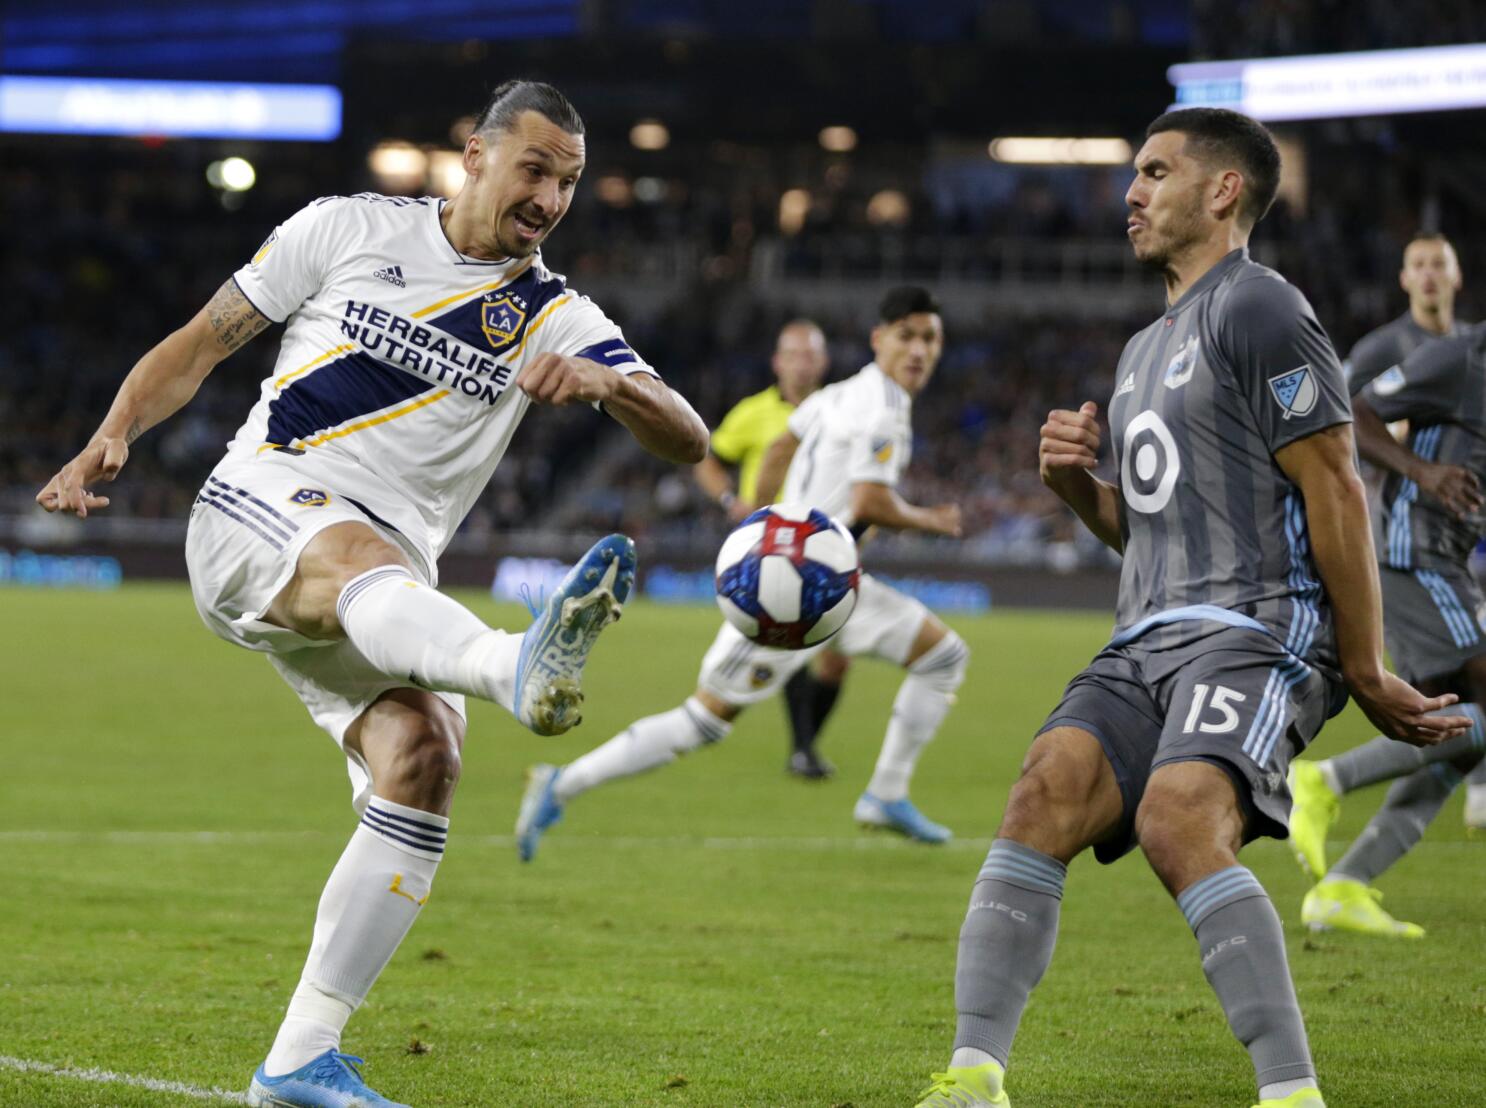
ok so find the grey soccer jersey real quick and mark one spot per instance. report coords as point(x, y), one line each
point(1214, 532)
point(1441, 390)
point(1385, 347)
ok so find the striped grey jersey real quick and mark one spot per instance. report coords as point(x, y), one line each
point(1214, 532)
point(1441, 390)
point(1385, 347)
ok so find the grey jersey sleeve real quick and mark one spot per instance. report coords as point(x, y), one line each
point(1282, 361)
point(1372, 354)
point(1427, 386)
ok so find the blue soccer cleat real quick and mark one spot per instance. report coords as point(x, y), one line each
point(539, 809)
point(329, 1081)
point(555, 646)
point(900, 816)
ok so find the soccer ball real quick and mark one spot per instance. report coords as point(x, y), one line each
point(787, 576)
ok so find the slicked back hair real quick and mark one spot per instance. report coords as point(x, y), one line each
point(512, 98)
point(906, 300)
point(1233, 139)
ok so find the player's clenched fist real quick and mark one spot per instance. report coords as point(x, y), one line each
point(557, 379)
point(1069, 442)
point(100, 460)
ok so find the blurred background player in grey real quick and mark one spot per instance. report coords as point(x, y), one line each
point(1434, 623)
point(800, 362)
point(1248, 605)
point(1430, 275)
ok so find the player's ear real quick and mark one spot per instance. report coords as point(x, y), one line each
point(875, 338)
point(1227, 194)
point(474, 150)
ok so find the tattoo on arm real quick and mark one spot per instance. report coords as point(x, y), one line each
point(135, 430)
point(233, 318)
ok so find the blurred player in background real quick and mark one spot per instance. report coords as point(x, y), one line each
point(1248, 594)
point(844, 451)
point(1434, 619)
point(799, 363)
point(1430, 275)
point(418, 332)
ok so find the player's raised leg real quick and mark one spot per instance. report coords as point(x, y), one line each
point(350, 580)
point(1190, 826)
point(1066, 799)
point(410, 741)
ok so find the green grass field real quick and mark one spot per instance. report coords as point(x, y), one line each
point(712, 934)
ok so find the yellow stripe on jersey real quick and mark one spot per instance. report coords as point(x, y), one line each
point(385, 417)
point(345, 348)
point(505, 280)
point(536, 323)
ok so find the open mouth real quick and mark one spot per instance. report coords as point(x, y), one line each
point(528, 229)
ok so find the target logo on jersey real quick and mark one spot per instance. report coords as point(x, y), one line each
point(787, 576)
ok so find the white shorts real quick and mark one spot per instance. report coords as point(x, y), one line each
point(884, 624)
point(248, 527)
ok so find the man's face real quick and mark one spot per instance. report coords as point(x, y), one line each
point(800, 360)
point(523, 180)
point(1430, 274)
point(908, 349)
point(1167, 200)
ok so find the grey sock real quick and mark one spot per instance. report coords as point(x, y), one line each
point(1243, 956)
point(1006, 944)
point(1410, 805)
point(1382, 759)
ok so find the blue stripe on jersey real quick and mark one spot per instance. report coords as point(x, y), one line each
point(612, 353)
point(465, 321)
point(204, 498)
point(1192, 611)
point(1400, 528)
point(348, 387)
point(1461, 625)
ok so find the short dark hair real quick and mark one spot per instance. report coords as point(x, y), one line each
point(904, 301)
point(512, 98)
point(1217, 134)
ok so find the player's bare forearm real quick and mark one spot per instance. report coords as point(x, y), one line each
point(1453, 486)
point(1067, 452)
point(712, 478)
point(659, 417)
point(160, 384)
point(775, 465)
point(1097, 503)
point(881, 505)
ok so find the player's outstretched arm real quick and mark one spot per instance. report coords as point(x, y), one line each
point(160, 384)
point(881, 505)
point(1336, 517)
point(1067, 453)
point(659, 417)
point(1453, 486)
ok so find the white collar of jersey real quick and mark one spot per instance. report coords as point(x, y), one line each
point(873, 367)
point(452, 252)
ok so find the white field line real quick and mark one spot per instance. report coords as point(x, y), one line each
point(108, 1077)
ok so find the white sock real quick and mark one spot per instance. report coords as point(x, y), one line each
point(408, 630)
point(1281, 1089)
point(922, 702)
point(645, 744)
point(967, 1056)
point(373, 896)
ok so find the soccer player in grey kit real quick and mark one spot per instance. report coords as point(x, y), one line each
point(1248, 606)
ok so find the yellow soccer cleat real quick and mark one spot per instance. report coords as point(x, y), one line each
point(966, 1087)
point(1341, 904)
point(1301, 1098)
point(1313, 811)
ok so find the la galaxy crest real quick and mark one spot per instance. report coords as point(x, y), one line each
point(310, 498)
point(501, 317)
point(1295, 392)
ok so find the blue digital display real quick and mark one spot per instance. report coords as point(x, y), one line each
point(183, 109)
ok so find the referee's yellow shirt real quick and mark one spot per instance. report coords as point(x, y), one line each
point(745, 433)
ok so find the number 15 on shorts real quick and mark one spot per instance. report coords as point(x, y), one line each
point(1213, 715)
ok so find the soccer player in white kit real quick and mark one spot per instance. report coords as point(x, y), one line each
point(846, 449)
point(418, 333)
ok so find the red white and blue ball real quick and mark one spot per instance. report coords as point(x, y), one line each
point(787, 576)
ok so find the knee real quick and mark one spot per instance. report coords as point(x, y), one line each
point(831, 667)
point(1049, 805)
point(428, 763)
point(943, 665)
point(1189, 823)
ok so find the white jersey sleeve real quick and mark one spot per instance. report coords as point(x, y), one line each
point(879, 450)
point(580, 329)
point(292, 264)
point(805, 416)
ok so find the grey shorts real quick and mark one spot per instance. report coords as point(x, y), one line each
point(1432, 620)
point(1235, 698)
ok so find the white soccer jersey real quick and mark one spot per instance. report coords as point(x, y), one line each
point(394, 381)
point(857, 430)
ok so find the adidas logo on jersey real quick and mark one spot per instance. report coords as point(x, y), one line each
point(392, 275)
point(1127, 385)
